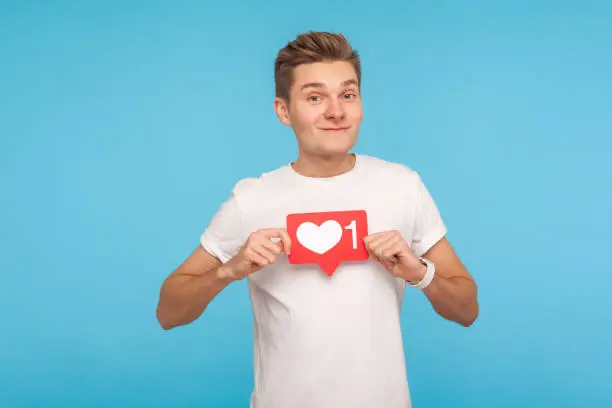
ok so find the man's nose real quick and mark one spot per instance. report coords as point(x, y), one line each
point(335, 110)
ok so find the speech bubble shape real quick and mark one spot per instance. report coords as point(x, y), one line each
point(327, 238)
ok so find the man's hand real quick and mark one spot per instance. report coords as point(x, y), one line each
point(452, 293)
point(256, 253)
point(390, 249)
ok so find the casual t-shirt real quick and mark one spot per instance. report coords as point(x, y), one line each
point(328, 341)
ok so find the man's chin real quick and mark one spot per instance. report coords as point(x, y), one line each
point(336, 150)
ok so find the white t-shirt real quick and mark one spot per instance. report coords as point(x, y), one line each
point(321, 341)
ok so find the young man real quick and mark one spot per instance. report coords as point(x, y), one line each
point(325, 341)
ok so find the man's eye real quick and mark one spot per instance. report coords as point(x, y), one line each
point(314, 98)
point(350, 95)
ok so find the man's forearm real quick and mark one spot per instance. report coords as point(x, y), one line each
point(184, 296)
point(453, 298)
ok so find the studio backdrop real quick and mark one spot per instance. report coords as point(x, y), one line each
point(125, 125)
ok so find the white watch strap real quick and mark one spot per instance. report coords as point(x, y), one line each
point(429, 275)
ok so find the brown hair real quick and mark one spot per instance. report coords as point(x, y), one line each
point(310, 47)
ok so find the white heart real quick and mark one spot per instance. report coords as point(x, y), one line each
point(319, 239)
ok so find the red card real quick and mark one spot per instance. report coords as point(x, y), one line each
point(327, 238)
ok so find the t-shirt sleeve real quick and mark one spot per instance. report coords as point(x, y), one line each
point(225, 234)
point(429, 228)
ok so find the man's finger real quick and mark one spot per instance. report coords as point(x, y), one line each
point(263, 251)
point(373, 236)
point(390, 247)
point(279, 233)
point(380, 241)
point(271, 246)
point(257, 258)
point(389, 265)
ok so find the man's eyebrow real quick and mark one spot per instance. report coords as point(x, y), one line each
point(322, 85)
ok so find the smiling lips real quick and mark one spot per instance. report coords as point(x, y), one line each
point(336, 129)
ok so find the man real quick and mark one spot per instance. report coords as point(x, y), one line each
point(325, 341)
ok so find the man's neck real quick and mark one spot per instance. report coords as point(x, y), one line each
point(309, 166)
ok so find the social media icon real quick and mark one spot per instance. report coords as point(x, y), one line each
point(327, 238)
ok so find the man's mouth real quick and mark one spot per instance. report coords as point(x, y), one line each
point(336, 129)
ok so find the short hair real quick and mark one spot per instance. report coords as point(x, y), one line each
point(311, 47)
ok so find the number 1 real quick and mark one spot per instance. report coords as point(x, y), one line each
point(353, 227)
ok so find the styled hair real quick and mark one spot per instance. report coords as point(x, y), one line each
point(311, 47)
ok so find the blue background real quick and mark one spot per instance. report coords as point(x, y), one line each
point(124, 125)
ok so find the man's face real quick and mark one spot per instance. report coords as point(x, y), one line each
point(325, 109)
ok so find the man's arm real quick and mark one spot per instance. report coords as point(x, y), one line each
point(453, 292)
point(186, 293)
point(188, 290)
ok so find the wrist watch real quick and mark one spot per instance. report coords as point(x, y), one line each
point(429, 275)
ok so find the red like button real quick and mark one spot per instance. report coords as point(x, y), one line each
point(327, 238)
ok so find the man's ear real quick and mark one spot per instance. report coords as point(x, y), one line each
point(281, 107)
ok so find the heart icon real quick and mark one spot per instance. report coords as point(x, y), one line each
point(319, 239)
